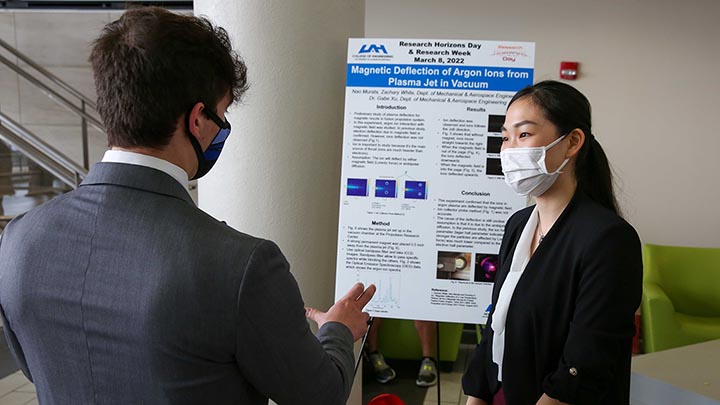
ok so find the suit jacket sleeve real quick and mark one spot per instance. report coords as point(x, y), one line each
point(602, 326)
point(276, 351)
point(12, 340)
point(14, 346)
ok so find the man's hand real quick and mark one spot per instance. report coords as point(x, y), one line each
point(347, 311)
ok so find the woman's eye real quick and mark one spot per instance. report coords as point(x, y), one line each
point(504, 138)
point(524, 134)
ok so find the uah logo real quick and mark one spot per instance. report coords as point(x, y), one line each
point(372, 48)
point(488, 310)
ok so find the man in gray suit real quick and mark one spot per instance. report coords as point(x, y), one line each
point(123, 291)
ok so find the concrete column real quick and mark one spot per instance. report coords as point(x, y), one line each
point(279, 174)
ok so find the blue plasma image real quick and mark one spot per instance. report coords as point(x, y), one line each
point(416, 190)
point(357, 187)
point(385, 188)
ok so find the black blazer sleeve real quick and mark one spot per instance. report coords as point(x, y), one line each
point(608, 293)
point(476, 381)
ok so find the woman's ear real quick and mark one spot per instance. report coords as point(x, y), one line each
point(576, 139)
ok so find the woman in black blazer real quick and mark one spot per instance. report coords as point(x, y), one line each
point(570, 275)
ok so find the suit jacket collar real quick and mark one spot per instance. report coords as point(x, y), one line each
point(137, 177)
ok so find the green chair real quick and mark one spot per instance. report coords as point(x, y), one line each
point(681, 296)
point(399, 340)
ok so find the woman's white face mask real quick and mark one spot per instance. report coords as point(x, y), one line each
point(525, 169)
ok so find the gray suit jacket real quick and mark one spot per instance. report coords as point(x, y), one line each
point(123, 291)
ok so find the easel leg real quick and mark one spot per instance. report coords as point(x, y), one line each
point(437, 353)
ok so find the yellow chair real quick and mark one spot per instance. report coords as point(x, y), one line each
point(681, 296)
point(398, 339)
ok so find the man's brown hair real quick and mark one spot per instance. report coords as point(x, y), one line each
point(152, 65)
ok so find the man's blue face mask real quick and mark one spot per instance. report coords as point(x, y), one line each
point(207, 159)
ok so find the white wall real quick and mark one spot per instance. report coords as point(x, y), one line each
point(649, 68)
point(279, 174)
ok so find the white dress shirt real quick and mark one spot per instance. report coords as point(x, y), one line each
point(132, 158)
point(520, 259)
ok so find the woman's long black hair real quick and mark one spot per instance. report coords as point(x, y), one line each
point(568, 109)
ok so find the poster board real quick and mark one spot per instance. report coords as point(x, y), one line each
point(423, 200)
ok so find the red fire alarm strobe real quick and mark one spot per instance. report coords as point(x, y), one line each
point(569, 70)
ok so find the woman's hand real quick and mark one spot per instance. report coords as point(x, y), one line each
point(475, 401)
point(546, 400)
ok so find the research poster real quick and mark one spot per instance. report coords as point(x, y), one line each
point(423, 200)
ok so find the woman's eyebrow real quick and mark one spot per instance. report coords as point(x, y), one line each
point(520, 123)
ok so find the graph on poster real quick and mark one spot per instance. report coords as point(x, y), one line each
point(388, 290)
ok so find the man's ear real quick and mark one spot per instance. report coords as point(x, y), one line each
point(576, 139)
point(195, 120)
